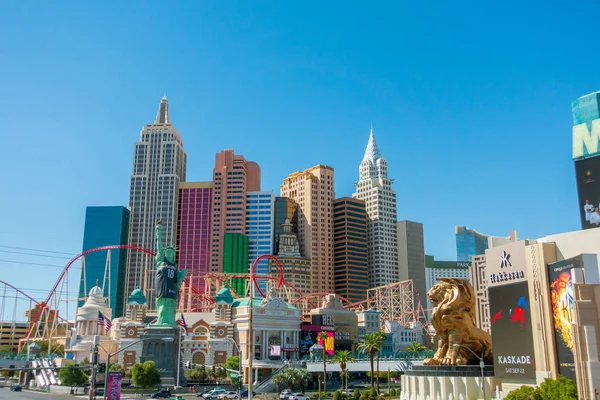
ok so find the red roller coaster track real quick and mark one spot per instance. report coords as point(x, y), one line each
point(280, 280)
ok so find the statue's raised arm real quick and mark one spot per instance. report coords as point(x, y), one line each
point(160, 250)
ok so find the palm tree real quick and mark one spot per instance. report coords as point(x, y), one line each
point(380, 339)
point(278, 380)
point(369, 344)
point(302, 376)
point(289, 376)
point(323, 337)
point(415, 348)
point(343, 357)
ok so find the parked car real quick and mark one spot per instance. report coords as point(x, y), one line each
point(349, 392)
point(162, 393)
point(227, 395)
point(213, 394)
point(16, 388)
point(245, 393)
point(99, 392)
point(298, 396)
point(285, 394)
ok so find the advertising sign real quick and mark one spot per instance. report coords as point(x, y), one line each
point(114, 386)
point(307, 339)
point(562, 299)
point(328, 343)
point(512, 332)
point(587, 173)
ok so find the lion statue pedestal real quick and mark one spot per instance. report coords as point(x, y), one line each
point(463, 361)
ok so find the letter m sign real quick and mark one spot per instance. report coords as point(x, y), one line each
point(585, 143)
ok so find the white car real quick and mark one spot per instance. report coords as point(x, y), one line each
point(214, 394)
point(227, 395)
point(285, 394)
point(298, 396)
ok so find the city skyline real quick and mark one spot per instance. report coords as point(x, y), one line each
point(289, 101)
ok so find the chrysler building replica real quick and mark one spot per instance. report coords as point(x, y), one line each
point(375, 189)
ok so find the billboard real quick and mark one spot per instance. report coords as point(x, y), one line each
point(512, 332)
point(562, 300)
point(328, 343)
point(587, 173)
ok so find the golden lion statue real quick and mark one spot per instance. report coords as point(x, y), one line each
point(453, 318)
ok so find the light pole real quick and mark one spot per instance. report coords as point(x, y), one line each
point(481, 365)
point(109, 355)
point(239, 366)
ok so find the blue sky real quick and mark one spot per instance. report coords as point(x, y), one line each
point(470, 104)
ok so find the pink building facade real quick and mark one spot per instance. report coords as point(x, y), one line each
point(193, 231)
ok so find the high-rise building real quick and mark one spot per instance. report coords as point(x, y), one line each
point(105, 226)
point(285, 209)
point(159, 165)
point(411, 256)
point(260, 229)
point(235, 259)
point(586, 134)
point(470, 243)
point(296, 269)
point(193, 230)
point(375, 188)
point(313, 191)
point(444, 269)
point(233, 177)
point(350, 248)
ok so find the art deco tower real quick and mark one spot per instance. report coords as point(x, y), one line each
point(375, 189)
point(159, 165)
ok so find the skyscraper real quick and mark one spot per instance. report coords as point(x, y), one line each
point(411, 256)
point(259, 229)
point(470, 243)
point(296, 269)
point(159, 165)
point(193, 230)
point(375, 189)
point(285, 209)
point(233, 177)
point(350, 248)
point(313, 191)
point(105, 226)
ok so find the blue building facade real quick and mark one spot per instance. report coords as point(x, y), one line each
point(469, 243)
point(105, 226)
point(260, 224)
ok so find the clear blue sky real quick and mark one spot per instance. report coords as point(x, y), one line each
point(470, 104)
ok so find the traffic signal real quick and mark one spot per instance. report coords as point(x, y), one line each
point(188, 364)
point(101, 368)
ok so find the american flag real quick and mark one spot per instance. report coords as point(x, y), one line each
point(102, 320)
point(182, 322)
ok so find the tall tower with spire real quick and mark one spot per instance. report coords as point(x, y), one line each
point(375, 189)
point(159, 165)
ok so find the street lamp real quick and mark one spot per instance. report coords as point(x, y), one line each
point(178, 351)
point(239, 366)
point(481, 365)
point(165, 339)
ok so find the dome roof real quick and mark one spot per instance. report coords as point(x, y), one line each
point(95, 303)
point(224, 295)
point(137, 296)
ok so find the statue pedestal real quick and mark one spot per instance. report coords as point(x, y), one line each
point(163, 353)
point(448, 382)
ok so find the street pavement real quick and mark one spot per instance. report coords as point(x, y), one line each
point(5, 393)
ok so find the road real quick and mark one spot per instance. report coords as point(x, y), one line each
point(6, 394)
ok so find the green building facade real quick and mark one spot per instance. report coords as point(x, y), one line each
point(235, 259)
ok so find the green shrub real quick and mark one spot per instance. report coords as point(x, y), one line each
point(364, 395)
point(373, 393)
point(356, 395)
point(337, 395)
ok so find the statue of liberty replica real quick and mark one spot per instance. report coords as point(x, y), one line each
point(167, 282)
point(161, 338)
